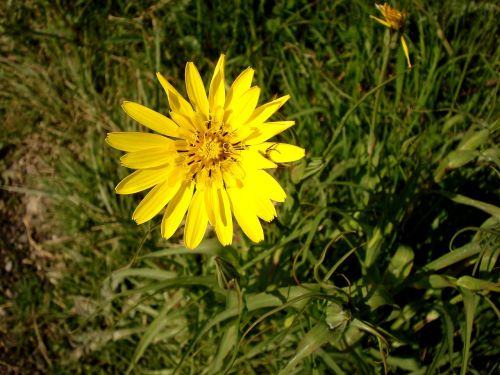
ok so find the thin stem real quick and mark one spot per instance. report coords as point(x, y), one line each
point(372, 141)
point(375, 242)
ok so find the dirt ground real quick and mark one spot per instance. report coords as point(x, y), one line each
point(25, 263)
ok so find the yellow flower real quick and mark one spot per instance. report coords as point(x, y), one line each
point(208, 159)
point(394, 20)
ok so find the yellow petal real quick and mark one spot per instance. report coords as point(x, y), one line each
point(265, 111)
point(272, 188)
point(209, 204)
point(240, 85)
point(280, 152)
point(200, 122)
point(253, 159)
point(259, 197)
point(217, 115)
point(264, 208)
point(203, 178)
point(142, 179)
point(176, 101)
point(266, 131)
point(219, 213)
point(405, 50)
point(183, 121)
point(234, 175)
point(150, 158)
point(154, 201)
point(196, 90)
point(177, 174)
point(217, 94)
point(217, 180)
point(196, 221)
point(136, 141)
point(242, 108)
point(151, 119)
point(176, 209)
point(246, 132)
point(245, 215)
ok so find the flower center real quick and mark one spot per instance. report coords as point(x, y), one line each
point(209, 153)
point(210, 147)
point(393, 17)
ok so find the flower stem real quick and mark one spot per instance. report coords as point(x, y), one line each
point(372, 141)
point(376, 240)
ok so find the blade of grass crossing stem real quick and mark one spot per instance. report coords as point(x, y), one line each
point(318, 336)
point(154, 328)
point(262, 346)
point(296, 297)
point(330, 362)
point(298, 302)
point(437, 357)
point(230, 337)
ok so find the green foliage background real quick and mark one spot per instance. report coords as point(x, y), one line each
point(382, 259)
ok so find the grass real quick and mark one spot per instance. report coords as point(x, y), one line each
point(383, 257)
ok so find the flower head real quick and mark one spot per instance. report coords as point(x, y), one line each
point(394, 20)
point(207, 159)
